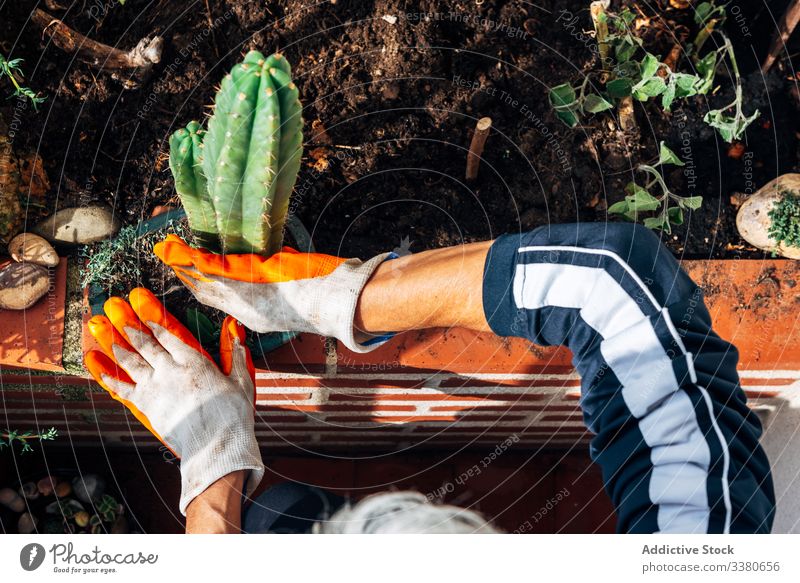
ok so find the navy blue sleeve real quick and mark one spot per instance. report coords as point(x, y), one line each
point(676, 442)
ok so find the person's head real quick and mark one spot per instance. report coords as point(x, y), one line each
point(404, 513)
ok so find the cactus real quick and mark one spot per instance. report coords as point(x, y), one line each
point(235, 180)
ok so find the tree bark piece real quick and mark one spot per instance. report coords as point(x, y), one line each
point(476, 146)
point(786, 26)
point(136, 62)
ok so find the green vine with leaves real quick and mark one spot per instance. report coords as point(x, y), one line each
point(667, 206)
point(11, 69)
point(622, 76)
point(9, 437)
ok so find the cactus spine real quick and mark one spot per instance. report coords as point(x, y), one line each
point(235, 180)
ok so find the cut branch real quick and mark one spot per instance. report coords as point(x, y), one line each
point(136, 62)
point(476, 146)
point(786, 26)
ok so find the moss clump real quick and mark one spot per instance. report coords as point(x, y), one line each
point(785, 220)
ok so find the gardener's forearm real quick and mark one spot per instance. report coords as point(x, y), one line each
point(438, 288)
point(218, 510)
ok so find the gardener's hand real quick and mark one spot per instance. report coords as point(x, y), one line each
point(203, 412)
point(289, 291)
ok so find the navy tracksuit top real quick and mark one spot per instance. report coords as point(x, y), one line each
point(676, 442)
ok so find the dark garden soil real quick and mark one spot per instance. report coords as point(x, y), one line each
point(391, 97)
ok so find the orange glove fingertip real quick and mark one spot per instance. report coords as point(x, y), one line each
point(233, 329)
point(99, 364)
point(103, 331)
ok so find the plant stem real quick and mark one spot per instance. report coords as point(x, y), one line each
point(657, 179)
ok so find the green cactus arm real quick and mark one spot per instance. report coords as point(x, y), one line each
point(278, 61)
point(291, 151)
point(226, 189)
point(255, 58)
point(217, 127)
point(259, 181)
point(185, 147)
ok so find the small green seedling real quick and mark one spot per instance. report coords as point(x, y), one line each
point(639, 198)
point(11, 69)
point(622, 76)
point(235, 179)
point(9, 437)
point(731, 127)
point(785, 220)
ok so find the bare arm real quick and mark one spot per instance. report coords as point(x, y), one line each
point(438, 288)
point(218, 509)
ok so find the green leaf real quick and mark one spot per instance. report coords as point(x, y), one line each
point(627, 16)
point(675, 215)
point(200, 325)
point(624, 51)
point(685, 84)
point(651, 88)
point(639, 200)
point(729, 127)
point(706, 69)
point(618, 208)
point(568, 117)
point(595, 104)
point(692, 202)
point(649, 66)
point(702, 11)
point(562, 96)
point(669, 94)
point(667, 156)
point(656, 223)
point(564, 101)
point(619, 88)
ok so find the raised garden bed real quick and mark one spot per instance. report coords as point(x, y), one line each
point(391, 99)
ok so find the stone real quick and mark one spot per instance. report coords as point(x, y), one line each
point(27, 523)
point(63, 489)
point(46, 486)
point(33, 249)
point(753, 220)
point(88, 488)
point(81, 518)
point(22, 285)
point(79, 225)
point(11, 500)
point(29, 491)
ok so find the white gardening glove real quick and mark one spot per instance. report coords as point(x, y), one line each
point(203, 412)
point(289, 291)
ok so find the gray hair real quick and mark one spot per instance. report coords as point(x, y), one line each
point(403, 513)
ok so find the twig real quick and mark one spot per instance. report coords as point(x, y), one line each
point(786, 26)
point(476, 146)
point(139, 60)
